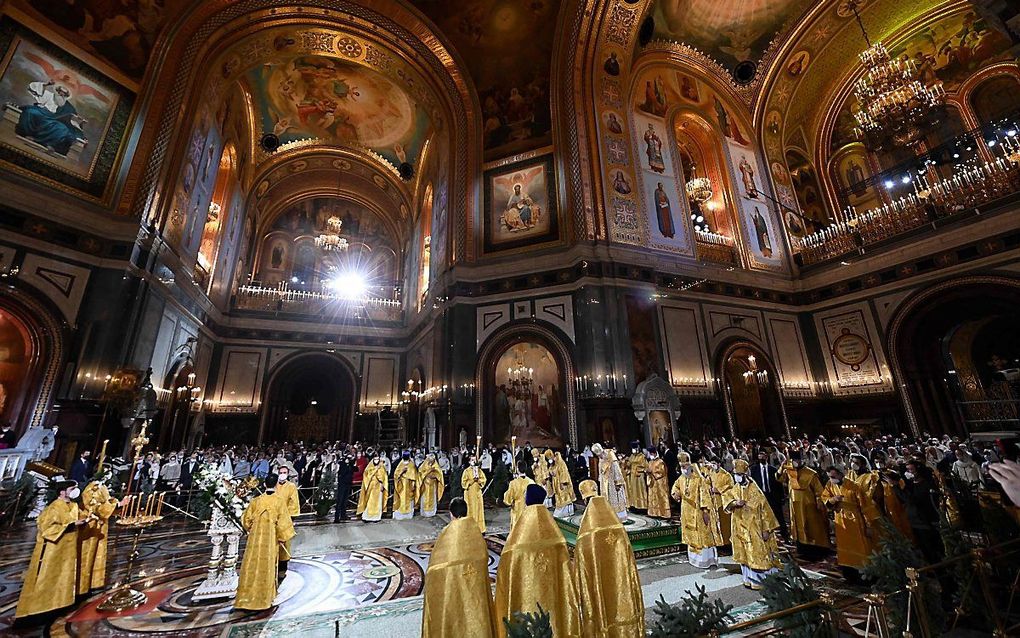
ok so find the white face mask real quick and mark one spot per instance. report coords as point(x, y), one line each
point(73, 493)
point(908, 475)
point(739, 478)
point(283, 477)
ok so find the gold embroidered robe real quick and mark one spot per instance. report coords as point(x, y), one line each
point(432, 485)
point(658, 489)
point(748, 523)
point(562, 483)
point(51, 578)
point(721, 481)
point(636, 471)
point(97, 508)
point(405, 488)
point(692, 492)
point(808, 523)
point(458, 596)
point(268, 523)
point(514, 497)
point(375, 491)
point(288, 493)
point(473, 481)
point(854, 517)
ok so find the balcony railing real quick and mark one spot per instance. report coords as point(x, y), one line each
point(715, 247)
point(371, 306)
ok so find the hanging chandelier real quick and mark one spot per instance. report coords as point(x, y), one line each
point(699, 189)
point(896, 103)
point(330, 239)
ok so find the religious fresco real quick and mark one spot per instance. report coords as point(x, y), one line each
point(851, 169)
point(122, 33)
point(190, 209)
point(527, 397)
point(508, 48)
point(314, 96)
point(665, 208)
point(760, 228)
point(804, 180)
point(520, 205)
point(729, 32)
point(60, 119)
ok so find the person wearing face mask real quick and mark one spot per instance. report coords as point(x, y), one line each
point(97, 506)
point(51, 578)
point(753, 527)
point(658, 486)
point(344, 478)
point(514, 496)
point(405, 488)
point(867, 479)
point(763, 475)
point(635, 469)
point(922, 500)
point(891, 502)
point(287, 492)
point(720, 481)
point(432, 485)
point(855, 519)
point(808, 526)
point(543, 470)
point(374, 491)
point(473, 482)
point(269, 526)
point(699, 520)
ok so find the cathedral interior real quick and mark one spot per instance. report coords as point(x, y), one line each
point(566, 222)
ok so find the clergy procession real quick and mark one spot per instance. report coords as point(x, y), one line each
point(748, 505)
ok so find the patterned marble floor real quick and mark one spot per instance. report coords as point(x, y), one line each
point(364, 579)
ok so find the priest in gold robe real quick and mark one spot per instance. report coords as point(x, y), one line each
point(658, 486)
point(892, 504)
point(636, 470)
point(869, 480)
point(563, 483)
point(405, 488)
point(544, 469)
point(808, 526)
point(97, 507)
point(51, 578)
point(268, 523)
point(719, 481)
point(534, 569)
point(287, 492)
point(612, 605)
point(473, 481)
point(855, 519)
point(375, 491)
point(753, 528)
point(514, 496)
point(699, 520)
point(432, 485)
point(457, 596)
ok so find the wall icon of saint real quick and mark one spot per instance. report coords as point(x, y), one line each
point(663, 212)
point(653, 150)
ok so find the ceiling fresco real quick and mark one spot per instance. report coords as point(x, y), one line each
point(730, 32)
point(337, 101)
point(508, 47)
point(122, 33)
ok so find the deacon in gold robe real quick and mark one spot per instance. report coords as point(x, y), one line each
point(860, 472)
point(268, 523)
point(432, 486)
point(287, 492)
point(607, 579)
point(545, 468)
point(97, 508)
point(564, 486)
point(473, 481)
point(636, 470)
point(719, 481)
point(457, 596)
point(51, 578)
point(753, 527)
point(612, 483)
point(892, 503)
point(405, 488)
point(699, 520)
point(658, 486)
point(808, 526)
point(375, 491)
point(854, 519)
point(514, 496)
point(534, 569)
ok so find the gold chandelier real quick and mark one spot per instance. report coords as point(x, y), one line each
point(699, 189)
point(330, 239)
point(896, 103)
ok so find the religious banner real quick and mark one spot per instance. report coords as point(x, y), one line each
point(851, 352)
point(520, 205)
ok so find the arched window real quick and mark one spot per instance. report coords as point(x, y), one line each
point(995, 97)
point(216, 216)
point(698, 146)
point(425, 254)
point(805, 182)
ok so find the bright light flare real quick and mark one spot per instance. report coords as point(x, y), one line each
point(349, 285)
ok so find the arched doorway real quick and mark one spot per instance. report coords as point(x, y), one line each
point(524, 379)
point(956, 356)
point(754, 406)
point(310, 398)
point(173, 433)
point(31, 353)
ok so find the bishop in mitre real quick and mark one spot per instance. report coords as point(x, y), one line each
point(375, 491)
point(658, 486)
point(405, 487)
point(612, 605)
point(473, 482)
point(534, 569)
point(753, 527)
point(636, 470)
point(431, 485)
point(268, 523)
point(51, 578)
point(699, 520)
point(612, 483)
point(458, 596)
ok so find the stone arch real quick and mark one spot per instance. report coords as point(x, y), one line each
point(724, 352)
point(287, 364)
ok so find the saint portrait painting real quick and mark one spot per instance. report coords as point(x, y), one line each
point(55, 113)
point(520, 205)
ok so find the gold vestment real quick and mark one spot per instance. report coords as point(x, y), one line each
point(692, 492)
point(432, 486)
point(514, 497)
point(853, 519)
point(268, 523)
point(457, 597)
point(405, 487)
point(635, 470)
point(473, 481)
point(288, 493)
point(562, 483)
point(97, 508)
point(374, 492)
point(658, 489)
point(807, 516)
point(748, 524)
point(51, 578)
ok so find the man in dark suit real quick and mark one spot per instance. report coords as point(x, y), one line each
point(344, 478)
point(82, 468)
point(764, 476)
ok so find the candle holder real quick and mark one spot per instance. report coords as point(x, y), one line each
point(126, 597)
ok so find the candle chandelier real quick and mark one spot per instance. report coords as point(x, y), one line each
point(329, 239)
point(699, 189)
point(897, 104)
